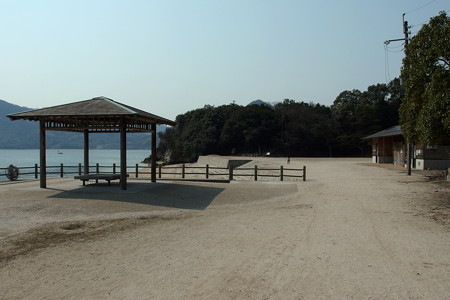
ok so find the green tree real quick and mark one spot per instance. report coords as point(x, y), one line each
point(197, 133)
point(289, 128)
point(425, 111)
point(304, 129)
point(357, 114)
point(251, 129)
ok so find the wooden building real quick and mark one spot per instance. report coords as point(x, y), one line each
point(389, 147)
point(97, 115)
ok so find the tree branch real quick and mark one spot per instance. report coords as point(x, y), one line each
point(444, 61)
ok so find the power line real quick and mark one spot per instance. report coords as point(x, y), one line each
point(424, 22)
point(387, 50)
point(395, 51)
point(420, 7)
point(419, 24)
point(395, 47)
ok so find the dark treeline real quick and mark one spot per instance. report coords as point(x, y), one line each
point(286, 128)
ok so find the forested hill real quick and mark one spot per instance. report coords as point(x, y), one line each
point(287, 128)
point(25, 135)
point(17, 134)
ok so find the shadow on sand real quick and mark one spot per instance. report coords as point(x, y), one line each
point(174, 195)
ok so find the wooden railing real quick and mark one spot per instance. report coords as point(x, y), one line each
point(168, 172)
point(208, 172)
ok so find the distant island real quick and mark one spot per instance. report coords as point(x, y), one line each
point(285, 128)
point(25, 135)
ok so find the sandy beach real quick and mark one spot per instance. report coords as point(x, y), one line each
point(350, 231)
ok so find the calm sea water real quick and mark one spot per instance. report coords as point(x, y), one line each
point(28, 158)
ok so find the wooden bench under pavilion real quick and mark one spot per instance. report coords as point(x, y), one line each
point(97, 177)
point(97, 115)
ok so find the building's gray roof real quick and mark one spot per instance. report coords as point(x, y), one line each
point(394, 130)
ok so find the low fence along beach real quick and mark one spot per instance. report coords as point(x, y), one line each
point(170, 172)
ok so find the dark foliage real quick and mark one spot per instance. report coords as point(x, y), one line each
point(287, 128)
point(425, 113)
point(357, 114)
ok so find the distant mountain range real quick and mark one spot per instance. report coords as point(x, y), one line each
point(22, 134)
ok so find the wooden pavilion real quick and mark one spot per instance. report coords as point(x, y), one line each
point(97, 115)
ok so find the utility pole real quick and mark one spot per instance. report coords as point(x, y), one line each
point(409, 146)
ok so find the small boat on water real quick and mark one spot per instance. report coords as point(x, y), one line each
point(59, 152)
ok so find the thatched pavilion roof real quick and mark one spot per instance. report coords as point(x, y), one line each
point(99, 114)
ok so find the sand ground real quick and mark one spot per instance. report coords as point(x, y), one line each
point(351, 231)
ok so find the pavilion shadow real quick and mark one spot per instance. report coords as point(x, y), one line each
point(173, 195)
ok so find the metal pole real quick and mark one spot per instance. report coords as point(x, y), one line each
point(409, 150)
point(406, 33)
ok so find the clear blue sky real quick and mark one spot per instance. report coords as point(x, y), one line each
point(168, 57)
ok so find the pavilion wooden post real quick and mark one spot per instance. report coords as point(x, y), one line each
point(42, 155)
point(123, 154)
point(104, 115)
point(86, 152)
point(153, 156)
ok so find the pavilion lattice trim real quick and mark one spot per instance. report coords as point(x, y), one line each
point(98, 124)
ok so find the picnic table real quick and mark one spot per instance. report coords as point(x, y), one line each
point(97, 177)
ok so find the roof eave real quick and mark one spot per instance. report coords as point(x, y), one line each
point(144, 119)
